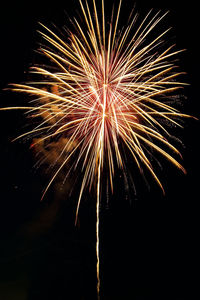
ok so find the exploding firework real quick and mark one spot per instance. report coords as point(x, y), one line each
point(108, 87)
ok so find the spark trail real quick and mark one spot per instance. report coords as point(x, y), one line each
point(107, 85)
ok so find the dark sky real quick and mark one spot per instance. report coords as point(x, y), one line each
point(148, 247)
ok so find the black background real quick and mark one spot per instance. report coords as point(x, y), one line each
point(148, 247)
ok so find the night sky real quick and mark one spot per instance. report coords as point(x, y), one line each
point(148, 242)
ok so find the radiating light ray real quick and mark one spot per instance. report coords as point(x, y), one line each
point(107, 87)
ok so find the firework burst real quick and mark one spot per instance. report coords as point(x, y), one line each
point(107, 86)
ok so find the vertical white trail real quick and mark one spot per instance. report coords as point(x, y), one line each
point(100, 166)
point(97, 230)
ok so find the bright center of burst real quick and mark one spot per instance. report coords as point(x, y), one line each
point(101, 98)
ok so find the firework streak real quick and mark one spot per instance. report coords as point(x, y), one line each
point(107, 85)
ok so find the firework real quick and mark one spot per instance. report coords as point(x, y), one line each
point(108, 86)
